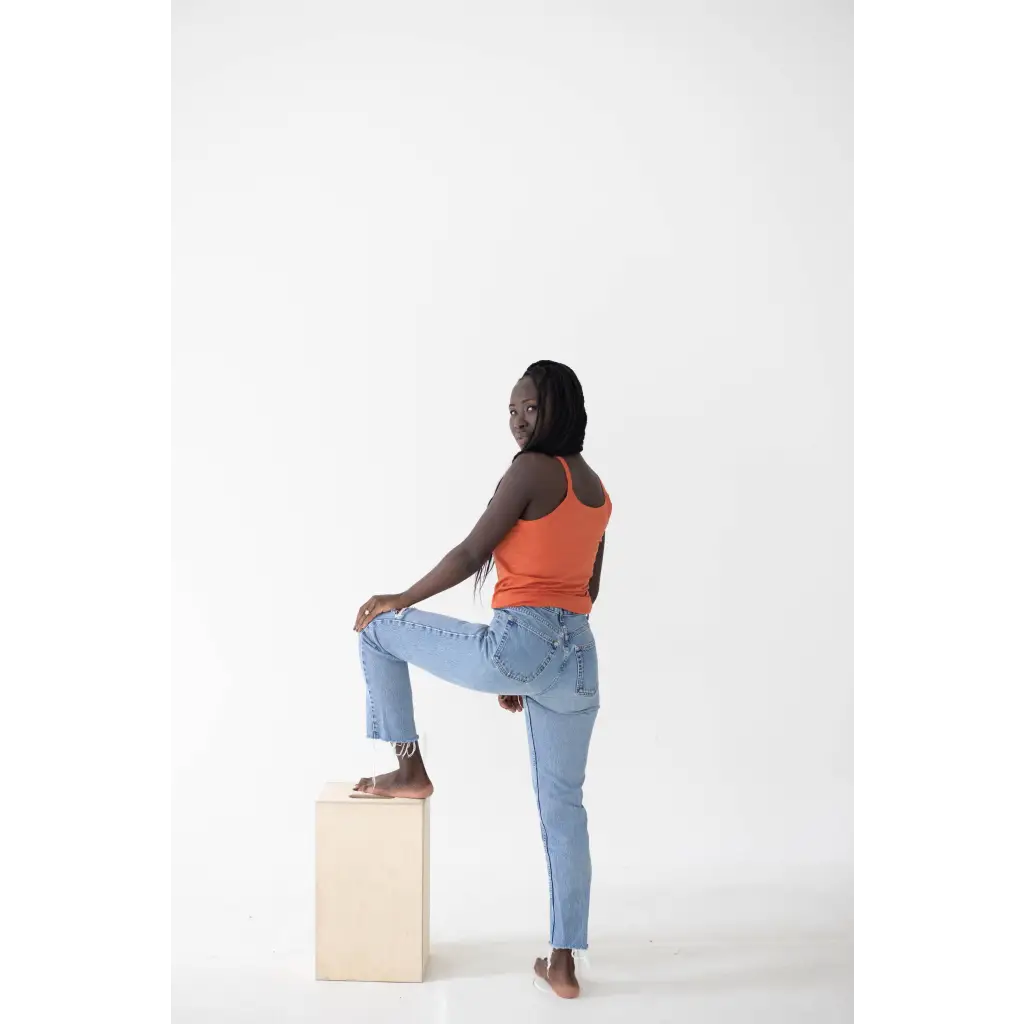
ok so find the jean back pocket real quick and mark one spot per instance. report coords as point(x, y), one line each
point(521, 653)
point(586, 669)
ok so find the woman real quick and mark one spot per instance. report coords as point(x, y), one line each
point(544, 529)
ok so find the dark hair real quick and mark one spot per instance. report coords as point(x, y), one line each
point(560, 427)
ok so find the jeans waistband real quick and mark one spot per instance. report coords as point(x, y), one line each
point(553, 622)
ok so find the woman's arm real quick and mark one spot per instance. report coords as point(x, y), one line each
point(450, 571)
point(514, 492)
point(595, 579)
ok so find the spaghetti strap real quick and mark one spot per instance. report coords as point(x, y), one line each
point(568, 475)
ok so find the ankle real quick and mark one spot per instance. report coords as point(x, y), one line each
point(410, 764)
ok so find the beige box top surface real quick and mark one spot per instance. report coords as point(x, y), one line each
point(341, 792)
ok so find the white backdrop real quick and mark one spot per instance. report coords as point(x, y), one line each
point(382, 215)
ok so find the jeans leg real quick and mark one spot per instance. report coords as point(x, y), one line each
point(453, 650)
point(559, 743)
point(389, 711)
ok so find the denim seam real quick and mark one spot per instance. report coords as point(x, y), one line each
point(517, 677)
point(543, 827)
point(527, 617)
point(374, 732)
point(368, 637)
point(554, 683)
point(581, 690)
point(501, 641)
point(523, 624)
point(581, 711)
point(529, 612)
point(431, 629)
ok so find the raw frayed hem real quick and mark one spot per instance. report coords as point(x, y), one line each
point(403, 748)
point(579, 955)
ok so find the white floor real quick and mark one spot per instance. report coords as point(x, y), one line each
point(753, 983)
point(704, 954)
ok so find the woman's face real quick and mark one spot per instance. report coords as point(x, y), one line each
point(522, 410)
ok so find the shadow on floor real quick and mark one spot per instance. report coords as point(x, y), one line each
point(454, 960)
point(632, 968)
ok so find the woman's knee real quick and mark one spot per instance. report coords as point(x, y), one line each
point(370, 634)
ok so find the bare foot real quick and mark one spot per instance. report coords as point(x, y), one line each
point(561, 975)
point(400, 783)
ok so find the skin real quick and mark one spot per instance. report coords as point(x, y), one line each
point(560, 974)
point(532, 487)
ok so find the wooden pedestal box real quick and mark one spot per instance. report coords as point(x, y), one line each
point(372, 887)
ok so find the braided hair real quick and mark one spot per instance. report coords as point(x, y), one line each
point(561, 423)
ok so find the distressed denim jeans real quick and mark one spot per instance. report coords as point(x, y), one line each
point(546, 655)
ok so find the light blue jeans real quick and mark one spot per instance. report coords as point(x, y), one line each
point(546, 655)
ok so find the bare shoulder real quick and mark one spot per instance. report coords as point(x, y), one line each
point(532, 473)
point(531, 463)
point(586, 470)
point(523, 474)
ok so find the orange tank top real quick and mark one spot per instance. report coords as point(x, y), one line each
point(548, 562)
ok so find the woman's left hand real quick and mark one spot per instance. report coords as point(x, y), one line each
point(378, 604)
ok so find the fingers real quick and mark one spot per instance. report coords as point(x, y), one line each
point(365, 614)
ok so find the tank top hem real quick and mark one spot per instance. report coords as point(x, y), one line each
point(569, 604)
